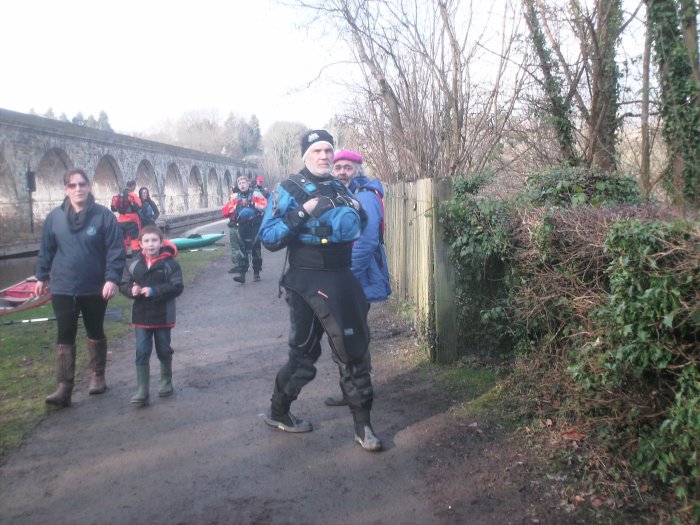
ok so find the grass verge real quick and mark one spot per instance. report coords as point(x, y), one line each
point(27, 367)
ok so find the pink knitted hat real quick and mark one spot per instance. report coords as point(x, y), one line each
point(348, 154)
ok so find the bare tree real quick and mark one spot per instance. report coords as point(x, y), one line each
point(200, 130)
point(584, 96)
point(282, 150)
point(427, 106)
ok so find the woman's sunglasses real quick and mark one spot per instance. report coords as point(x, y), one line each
point(73, 185)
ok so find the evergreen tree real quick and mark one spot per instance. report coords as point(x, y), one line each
point(103, 122)
point(78, 119)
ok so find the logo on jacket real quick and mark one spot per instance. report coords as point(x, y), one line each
point(91, 230)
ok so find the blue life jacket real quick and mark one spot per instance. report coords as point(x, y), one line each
point(338, 225)
point(247, 214)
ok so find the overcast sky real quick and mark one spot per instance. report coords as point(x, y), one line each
point(144, 61)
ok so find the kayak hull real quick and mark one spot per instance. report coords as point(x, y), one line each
point(187, 243)
point(20, 296)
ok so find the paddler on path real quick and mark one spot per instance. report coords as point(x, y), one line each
point(244, 212)
point(317, 219)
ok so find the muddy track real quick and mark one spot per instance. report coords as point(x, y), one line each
point(204, 456)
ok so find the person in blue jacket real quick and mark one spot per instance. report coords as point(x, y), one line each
point(369, 262)
point(81, 260)
point(317, 219)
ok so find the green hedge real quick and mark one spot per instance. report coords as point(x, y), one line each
point(579, 277)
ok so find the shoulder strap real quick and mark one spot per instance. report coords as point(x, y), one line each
point(300, 187)
point(132, 266)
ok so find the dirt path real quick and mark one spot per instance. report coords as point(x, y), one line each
point(205, 456)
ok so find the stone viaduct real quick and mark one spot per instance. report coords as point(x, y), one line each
point(179, 179)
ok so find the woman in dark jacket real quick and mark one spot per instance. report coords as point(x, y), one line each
point(81, 259)
point(149, 211)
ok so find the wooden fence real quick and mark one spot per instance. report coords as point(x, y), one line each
point(418, 258)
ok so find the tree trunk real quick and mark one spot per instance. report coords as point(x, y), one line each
point(559, 112)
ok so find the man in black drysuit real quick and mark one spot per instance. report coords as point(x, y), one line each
point(317, 219)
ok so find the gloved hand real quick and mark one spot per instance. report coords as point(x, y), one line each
point(324, 204)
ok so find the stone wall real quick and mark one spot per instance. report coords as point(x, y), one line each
point(180, 180)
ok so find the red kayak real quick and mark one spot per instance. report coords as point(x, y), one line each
point(20, 296)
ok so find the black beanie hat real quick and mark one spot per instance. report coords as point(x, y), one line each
point(312, 137)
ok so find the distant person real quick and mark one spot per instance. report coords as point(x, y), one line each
point(260, 186)
point(244, 212)
point(149, 210)
point(128, 205)
point(317, 219)
point(369, 262)
point(153, 280)
point(81, 260)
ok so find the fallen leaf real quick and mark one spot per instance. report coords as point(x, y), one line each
point(573, 434)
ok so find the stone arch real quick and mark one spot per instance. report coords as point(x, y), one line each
point(173, 201)
point(14, 205)
point(228, 186)
point(195, 189)
point(146, 177)
point(49, 181)
point(213, 189)
point(106, 181)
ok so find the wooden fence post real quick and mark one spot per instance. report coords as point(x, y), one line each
point(419, 264)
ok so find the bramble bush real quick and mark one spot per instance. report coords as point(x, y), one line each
point(602, 294)
point(568, 186)
point(646, 361)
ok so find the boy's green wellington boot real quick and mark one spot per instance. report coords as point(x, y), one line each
point(143, 376)
point(166, 379)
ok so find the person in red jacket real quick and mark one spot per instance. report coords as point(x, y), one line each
point(244, 212)
point(128, 216)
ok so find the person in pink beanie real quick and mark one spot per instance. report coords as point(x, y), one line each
point(369, 263)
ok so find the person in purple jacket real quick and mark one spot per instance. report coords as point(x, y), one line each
point(81, 260)
point(369, 263)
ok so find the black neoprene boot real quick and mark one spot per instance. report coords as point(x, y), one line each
point(288, 423)
point(364, 435)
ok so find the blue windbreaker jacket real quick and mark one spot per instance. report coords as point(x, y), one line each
point(369, 262)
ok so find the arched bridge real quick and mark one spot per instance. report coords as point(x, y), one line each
point(179, 179)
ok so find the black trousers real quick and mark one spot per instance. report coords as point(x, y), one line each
point(305, 336)
point(67, 309)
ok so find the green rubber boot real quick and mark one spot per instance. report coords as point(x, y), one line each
point(143, 376)
point(166, 379)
